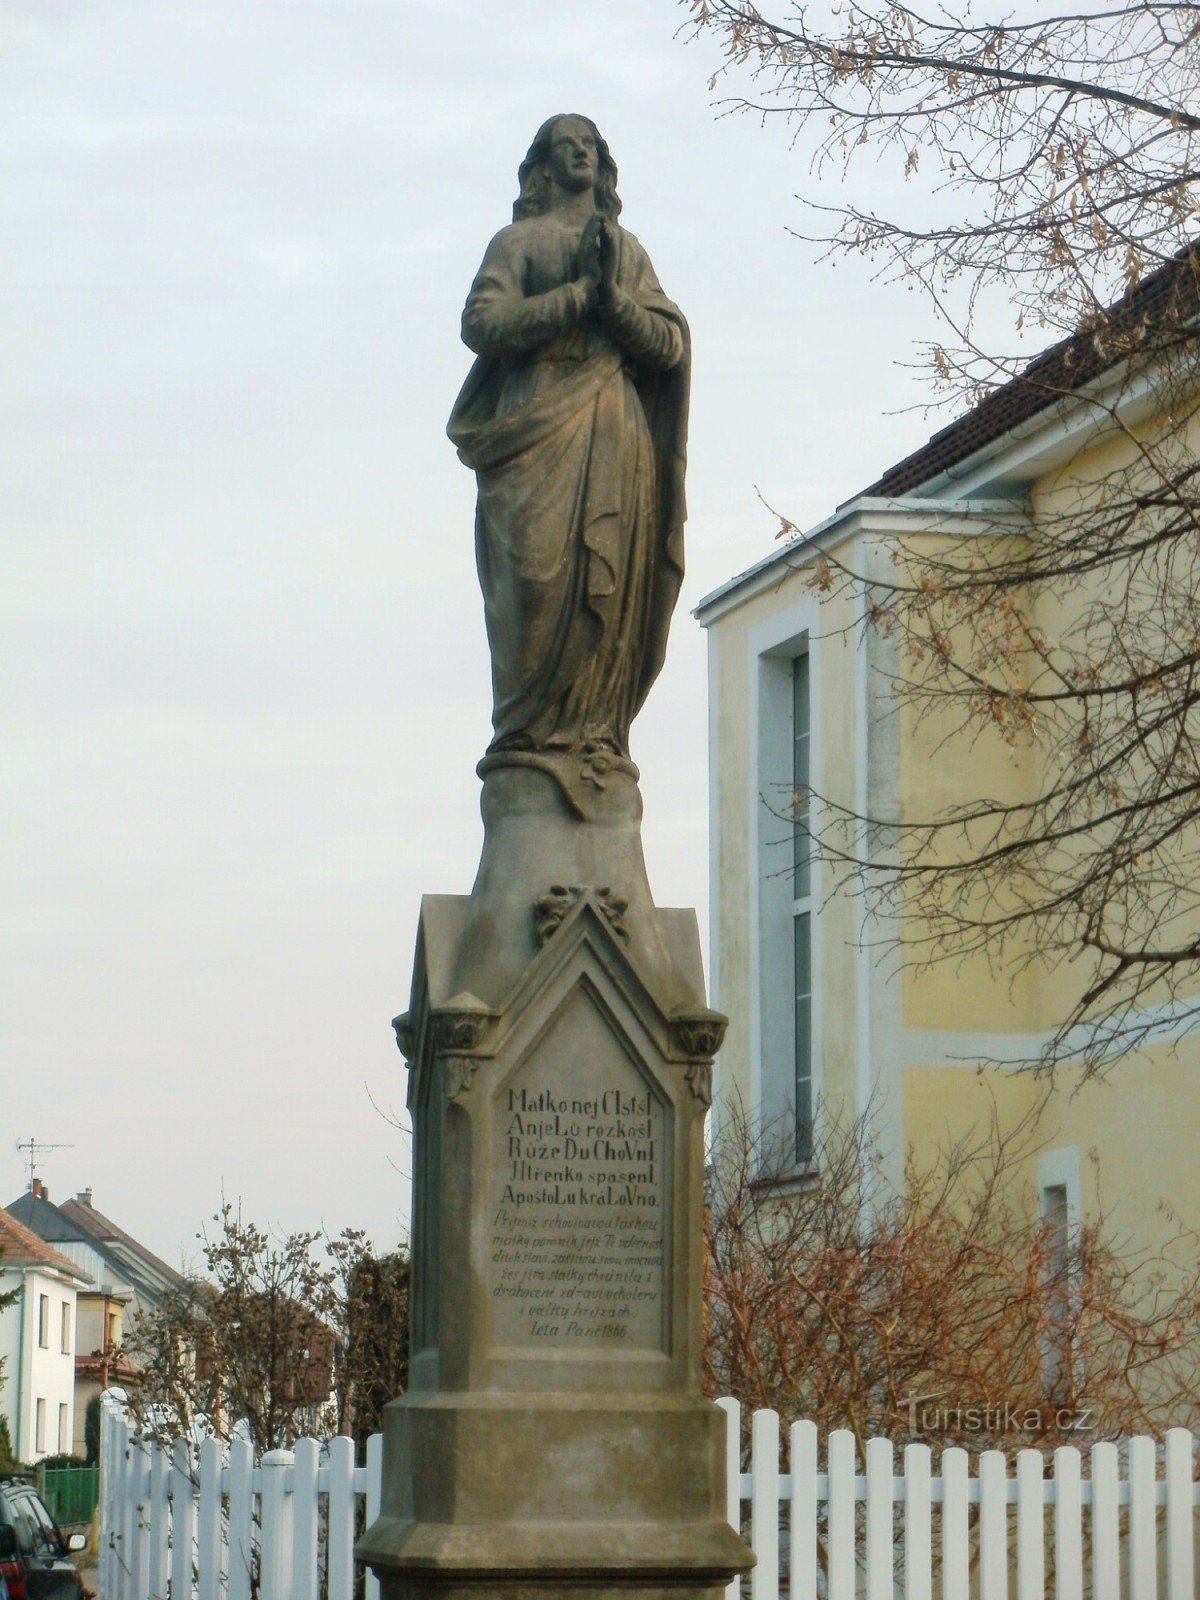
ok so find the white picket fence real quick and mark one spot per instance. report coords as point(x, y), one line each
point(181, 1523)
point(981, 1534)
point(209, 1523)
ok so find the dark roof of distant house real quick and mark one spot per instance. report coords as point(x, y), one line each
point(45, 1219)
point(20, 1246)
point(96, 1226)
point(1168, 297)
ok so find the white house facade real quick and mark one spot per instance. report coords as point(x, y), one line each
point(37, 1342)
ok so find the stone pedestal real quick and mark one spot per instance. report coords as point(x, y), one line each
point(554, 1437)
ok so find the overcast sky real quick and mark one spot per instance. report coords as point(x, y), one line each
point(245, 681)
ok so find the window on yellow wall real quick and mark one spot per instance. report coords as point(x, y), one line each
point(787, 1056)
point(1059, 1353)
point(802, 997)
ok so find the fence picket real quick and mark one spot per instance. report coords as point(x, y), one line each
point(239, 1544)
point(993, 1526)
point(764, 1504)
point(208, 1523)
point(1106, 1523)
point(1068, 1525)
point(1181, 1556)
point(956, 1529)
point(1143, 1535)
point(139, 1544)
point(802, 1519)
point(127, 1536)
point(275, 1509)
point(374, 1499)
point(918, 1523)
point(160, 1522)
point(1031, 1526)
point(115, 1587)
point(880, 1535)
point(842, 1562)
point(183, 1520)
point(340, 1546)
point(733, 1474)
point(306, 1518)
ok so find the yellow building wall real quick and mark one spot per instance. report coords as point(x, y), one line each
point(1135, 1130)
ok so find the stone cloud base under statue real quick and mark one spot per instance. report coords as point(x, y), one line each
point(554, 1437)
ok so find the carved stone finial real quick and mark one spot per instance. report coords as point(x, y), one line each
point(550, 909)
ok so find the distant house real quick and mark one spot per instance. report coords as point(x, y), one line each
point(122, 1278)
point(37, 1341)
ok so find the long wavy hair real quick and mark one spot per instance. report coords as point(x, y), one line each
point(534, 197)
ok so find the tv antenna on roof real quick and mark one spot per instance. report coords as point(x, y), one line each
point(35, 1147)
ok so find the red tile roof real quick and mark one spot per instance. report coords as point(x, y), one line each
point(20, 1246)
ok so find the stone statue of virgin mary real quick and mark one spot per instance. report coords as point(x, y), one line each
point(574, 420)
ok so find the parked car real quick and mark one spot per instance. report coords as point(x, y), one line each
point(35, 1559)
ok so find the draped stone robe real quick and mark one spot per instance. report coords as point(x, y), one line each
point(574, 421)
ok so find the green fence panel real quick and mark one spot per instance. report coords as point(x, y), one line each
point(71, 1493)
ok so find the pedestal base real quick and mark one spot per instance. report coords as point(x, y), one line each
point(586, 1588)
point(488, 1495)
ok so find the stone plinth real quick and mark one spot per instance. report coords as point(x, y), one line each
point(554, 1436)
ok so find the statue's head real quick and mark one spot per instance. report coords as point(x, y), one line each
point(533, 173)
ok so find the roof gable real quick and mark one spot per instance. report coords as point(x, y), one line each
point(95, 1226)
point(37, 1213)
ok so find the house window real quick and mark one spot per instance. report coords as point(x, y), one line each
point(66, 1327)
point(39, 1426)
point(64, 1440)
point(802, 998)
point(787, 1046)
point(1056, 1218)
point(43, 1324)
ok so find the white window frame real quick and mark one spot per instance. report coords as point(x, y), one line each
point(43, 1322)
point(39, 1426)
point(65, 1329)
point(64, 1428)
point(774, 644)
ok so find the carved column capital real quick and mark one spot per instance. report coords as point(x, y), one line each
point(698, 1036)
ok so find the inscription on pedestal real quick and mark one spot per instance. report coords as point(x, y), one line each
point(580, 1186)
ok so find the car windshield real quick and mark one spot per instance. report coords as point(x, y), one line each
point(43, 1533)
